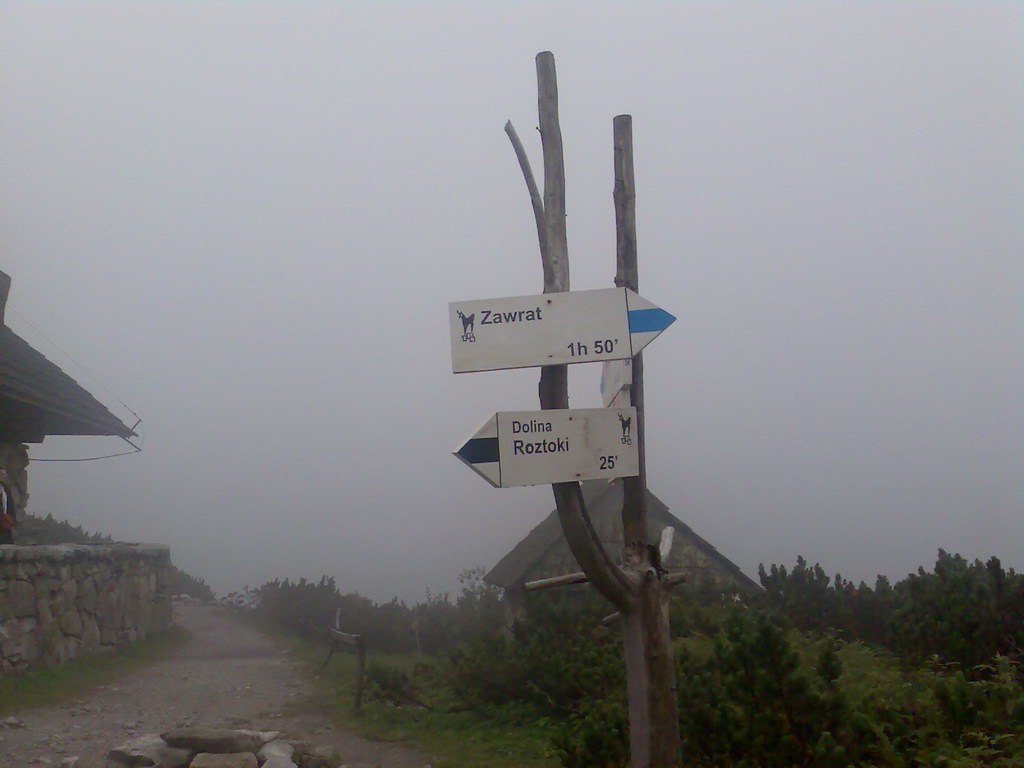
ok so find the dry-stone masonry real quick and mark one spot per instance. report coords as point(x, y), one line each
point(66, 600)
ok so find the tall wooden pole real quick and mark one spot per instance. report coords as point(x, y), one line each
point(650, 666)
point(634, 489)
point(553, 388)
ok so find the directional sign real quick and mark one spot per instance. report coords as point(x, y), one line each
point(552, 329)
point(533, 447)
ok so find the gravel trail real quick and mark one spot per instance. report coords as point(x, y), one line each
point(227, 675)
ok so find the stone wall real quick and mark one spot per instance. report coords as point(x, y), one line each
point(62, 601)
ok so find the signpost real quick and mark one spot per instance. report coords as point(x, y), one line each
point(552, 329)
point(560, 446)
point(516, 448)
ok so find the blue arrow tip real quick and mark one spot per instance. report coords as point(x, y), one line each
point(479, 450)
point(649, 320)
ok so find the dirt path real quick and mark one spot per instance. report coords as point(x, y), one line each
point(227, 675)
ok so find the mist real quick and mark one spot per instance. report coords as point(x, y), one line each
point(244, 222)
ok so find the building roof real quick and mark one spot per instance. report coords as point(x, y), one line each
point(37, 398)
point(545, 552)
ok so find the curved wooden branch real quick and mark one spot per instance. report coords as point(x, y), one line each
point(535, 199)
point(593, 558)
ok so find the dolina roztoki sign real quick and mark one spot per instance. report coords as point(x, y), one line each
point(514, 448)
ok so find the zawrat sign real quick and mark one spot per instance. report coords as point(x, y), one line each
point(552, 329)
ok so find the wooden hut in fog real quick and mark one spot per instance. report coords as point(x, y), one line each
point(38, 399)
point(544, 553)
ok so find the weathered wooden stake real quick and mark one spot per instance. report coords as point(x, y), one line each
point(360, 671)
point(553, 388)
point(650, 666)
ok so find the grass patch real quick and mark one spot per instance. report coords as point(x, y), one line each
point(448, 739)
point(38, 687)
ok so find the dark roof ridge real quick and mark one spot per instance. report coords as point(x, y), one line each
point(39, 392)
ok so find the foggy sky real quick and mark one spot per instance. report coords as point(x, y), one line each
point(245, 220)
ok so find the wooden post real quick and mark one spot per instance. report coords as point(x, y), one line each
point(650, 666)
point(330, 652)
point(360, 671)
point(553, 388)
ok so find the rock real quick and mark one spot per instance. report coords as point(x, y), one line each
point(23, 599)
point(276, 749)
point(232, 760)
point(70, 622)
point(262, 736)
point(314, 760)
point(279, 762)
point(90, 632)
point(172, 757)
point(44, 612)
point(69, 762)
point(301, 748)
point(13, 722)
point(69, 591)
point(87, 596)
point(142, 750)
point(219, 741)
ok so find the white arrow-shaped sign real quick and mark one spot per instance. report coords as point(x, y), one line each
point(552, 329)
point(533, 447)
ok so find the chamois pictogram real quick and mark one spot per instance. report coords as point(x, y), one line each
point(627, 426)
point(467, 325)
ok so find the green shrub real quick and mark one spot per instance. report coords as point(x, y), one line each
point(802, 676)
point(49, 530)
point(434, 626)
point(962, 612)
point(388, 683)
point(557, 657)
point(181, 583)
point(595, 736)
point(750, 703)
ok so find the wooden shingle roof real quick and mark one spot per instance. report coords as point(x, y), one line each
point(545, 552)
point(37, 398)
